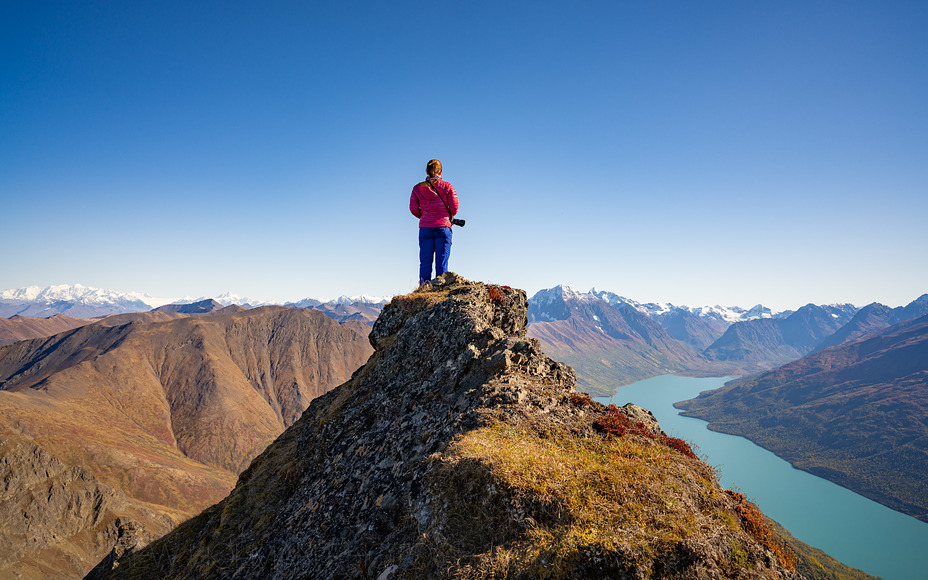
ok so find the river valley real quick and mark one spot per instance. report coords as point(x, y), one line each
point(855, 530)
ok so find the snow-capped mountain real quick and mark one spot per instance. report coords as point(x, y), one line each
point(226, 299)
point(724, 339)
point(73, 293)
point(608, 344)
point(363, 299)
point(728, 314)
point(359, 308)
point(73, 300)
point(545, 300)
point(550, 304)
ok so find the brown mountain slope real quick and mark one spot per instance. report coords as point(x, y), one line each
point(201, 307)
point(18, 327)
point(145, 317)
point(359, 311)
point(856, 414)
point(461, 450)
point(169, 413)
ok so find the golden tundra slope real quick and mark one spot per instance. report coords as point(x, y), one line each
point(169, 413)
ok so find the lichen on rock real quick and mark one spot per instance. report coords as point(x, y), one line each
point(461, 450)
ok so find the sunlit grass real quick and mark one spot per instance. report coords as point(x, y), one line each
point(572, 499)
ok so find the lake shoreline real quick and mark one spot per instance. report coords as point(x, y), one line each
point(854, 529)
point(836, 476)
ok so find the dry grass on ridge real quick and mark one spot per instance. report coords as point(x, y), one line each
point(569, 500)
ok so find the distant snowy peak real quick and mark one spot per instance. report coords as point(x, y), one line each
point(551, 304)
point(74, 300)
point(734, 314)
point(650, 308)
point(363, 299)
point(375, 301)
point(559, 293)
point(73, 293)
point(226, 299)
point(545, 302)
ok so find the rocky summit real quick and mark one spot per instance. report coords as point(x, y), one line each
point(461, 450)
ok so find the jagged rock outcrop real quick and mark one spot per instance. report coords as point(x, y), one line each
point(461, 450)
point(59, 520)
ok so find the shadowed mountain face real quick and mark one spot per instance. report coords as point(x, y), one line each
point(873, 318)
point(854, 414)
point(697, 331)
point(168, 413)
point(461, 450)
point(201, 307)
point(768, 342)
point(608, 345)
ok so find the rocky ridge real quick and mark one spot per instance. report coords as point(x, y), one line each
point(56, 518)
point(460, 449)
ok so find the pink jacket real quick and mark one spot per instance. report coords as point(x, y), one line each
point(425, 205)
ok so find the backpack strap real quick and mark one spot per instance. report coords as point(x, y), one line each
point(445, 203)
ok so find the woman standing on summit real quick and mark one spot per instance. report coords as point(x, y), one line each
point(434, 202)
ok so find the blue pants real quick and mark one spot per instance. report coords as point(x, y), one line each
point(433, 242)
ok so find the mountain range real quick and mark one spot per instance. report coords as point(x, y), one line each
point(764, 343)
point(460, 450)
point(76, 301)
point(72, 300)
point(613, 341)
point(608, 345)
point(626, 348)
point(152, 421)
point(874, 317)
point(137, 420)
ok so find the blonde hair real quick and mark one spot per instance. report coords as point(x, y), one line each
point(433, 168)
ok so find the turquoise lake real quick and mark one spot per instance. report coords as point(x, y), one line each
point(855, 530)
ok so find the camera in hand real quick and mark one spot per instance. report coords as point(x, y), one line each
point(457, 222)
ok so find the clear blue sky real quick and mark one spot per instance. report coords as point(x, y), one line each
point(692, 152)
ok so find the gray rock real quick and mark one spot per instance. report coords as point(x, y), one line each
point(48, 508)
